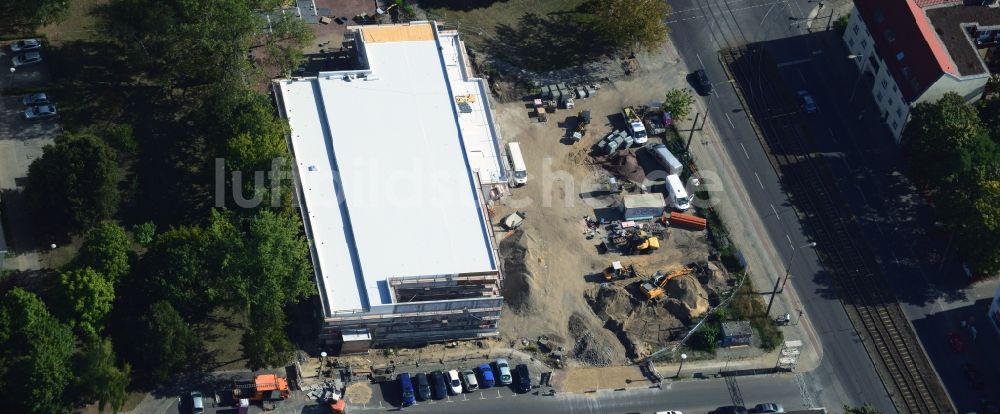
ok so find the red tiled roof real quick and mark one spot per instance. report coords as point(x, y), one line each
point(924, 57)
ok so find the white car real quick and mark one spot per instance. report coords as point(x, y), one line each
point(669, 412)
point(454, 383)
point(40, 112)
point(27, 59)
point(25, 45)
point(35, 99)
point(504, 369)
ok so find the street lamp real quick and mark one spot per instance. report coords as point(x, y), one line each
point(679, 368)
point(788, 269)
point(10, 79)
point(861, 71)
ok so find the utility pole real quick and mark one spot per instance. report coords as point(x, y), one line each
point(788, 270)
point(687, 148)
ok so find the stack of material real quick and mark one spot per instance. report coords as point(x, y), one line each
point(624, 164)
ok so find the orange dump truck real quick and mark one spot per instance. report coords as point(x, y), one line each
point(267, 387)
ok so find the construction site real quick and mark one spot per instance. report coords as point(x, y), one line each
point(604, 269)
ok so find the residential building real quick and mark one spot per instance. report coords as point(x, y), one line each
point(913, 51)
point(393, 159)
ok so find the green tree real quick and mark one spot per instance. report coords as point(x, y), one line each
point(35, 353)
point(937, 135)
point(98, 377)
point(678, 102)
point(106, 250)
point(75, 181)
point(88, 296)
point(272, 263)
point(989, 112)
point(145, 233)
point(265, 343)
point(180, 267)
point(632, 23)
point(28, 15)
point(865, 409)
point(284, 41)
point(164, 344)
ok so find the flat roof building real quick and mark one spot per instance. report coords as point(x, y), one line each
point(391, 160)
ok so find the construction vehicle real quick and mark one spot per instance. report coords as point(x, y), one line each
point(265, 387)
point(653, 287)
point(635, 125)
point(582, 122)
point(615, 271)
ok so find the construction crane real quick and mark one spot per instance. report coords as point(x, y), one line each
point(653, 287)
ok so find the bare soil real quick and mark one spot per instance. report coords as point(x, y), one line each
point(550, 265)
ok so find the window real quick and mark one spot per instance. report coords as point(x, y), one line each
point(850, 41)
point(899, 56)
point(899, 112)
point(857, 28)
point(895, 125)
point(885, 83)
point(894, 89)
point(864, 43)
point(889, 35)
point(878, 97)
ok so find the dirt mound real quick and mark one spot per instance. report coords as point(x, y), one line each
point(518, 281)
point(623, 164)
point(610, 302)
point(688, 299)
point(593, 347)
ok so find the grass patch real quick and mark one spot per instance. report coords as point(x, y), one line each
point(78, 25)
point(747, 305)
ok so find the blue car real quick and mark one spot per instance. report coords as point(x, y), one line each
point(487, 374)
point(406, 386)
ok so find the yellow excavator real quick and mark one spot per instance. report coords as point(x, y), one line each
point(653, 287)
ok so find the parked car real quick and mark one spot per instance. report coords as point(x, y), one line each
point(504, 368)
point(35, 99)
point(438, 385)
point(454, 384)
point(40, 112)
point(27, 59)
point(197, 403)
point(807, 102)
point(486, 373)
point(469, 381)
point(704, 84)
point(423, 387)
point(25, 45)
point(406, 388)
point(523, 378)
point(768, 408)
point(669, 412)
point(731, 409)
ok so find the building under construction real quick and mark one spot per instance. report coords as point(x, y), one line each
point(392, 160)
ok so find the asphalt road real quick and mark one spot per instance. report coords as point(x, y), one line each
point(700, 396)
point(700, 28)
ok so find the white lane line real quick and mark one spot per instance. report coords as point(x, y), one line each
point(790, 241)
point(481, 396)
point(794, 62)
point(758, 180)
point(498, 393)
point(863, 198)
point(745, 151)
point(768, 12)
point(775, 212)
point(730, 121)
point(699, 60)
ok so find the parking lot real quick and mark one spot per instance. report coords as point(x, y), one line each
point(21, 142)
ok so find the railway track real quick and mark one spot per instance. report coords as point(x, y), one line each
point(904, 368)
point(891, 342)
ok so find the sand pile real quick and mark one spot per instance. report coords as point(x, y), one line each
point(518, 281)
point(610, 302)
point(687, 298)
point(593, 347)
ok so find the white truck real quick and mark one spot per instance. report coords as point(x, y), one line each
point(635, 126)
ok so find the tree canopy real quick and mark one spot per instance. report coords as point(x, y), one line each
point(28, 15)
point(632, 23)
point(98, 377)
point(35, 353)
point(88, 296)
point(865, 409)
point(75, 181)
point(164, 343)
point(106, 250)
point(678, 102)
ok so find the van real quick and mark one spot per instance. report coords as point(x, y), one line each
point(666, 159)
point(523, 378)
point(487, 374)
point(676, 194)
point(520, 176)
point(197, 403)
point(406, 387)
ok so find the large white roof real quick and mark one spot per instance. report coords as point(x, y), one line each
point(385, 179)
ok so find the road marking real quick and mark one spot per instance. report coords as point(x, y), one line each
point(895, 257)
point(790, 241)
point(465, 398)
point(498, 393)
point(730, 121)
point(481, 396)
point(865, 199)
point(699, 60)
point(768, 12)
point(794, 62)
point(817, 52)
point(832, 135)
point(745, 151)
point(775, 212)
point(380, 404)
point(758, 180)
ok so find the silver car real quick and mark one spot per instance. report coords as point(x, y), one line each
point(25, 45)
point(27, 59)
point(40, 112)
point(504, 369)
point(35, 99)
